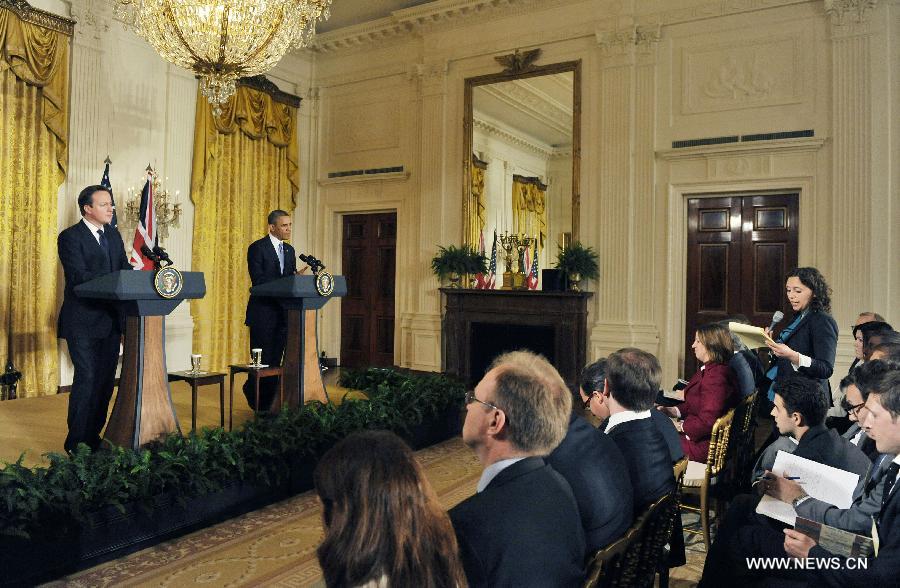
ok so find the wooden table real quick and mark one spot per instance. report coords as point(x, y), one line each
point(256, 373)
point(202, 379)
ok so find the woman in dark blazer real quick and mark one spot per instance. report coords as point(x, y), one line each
point(710, 393)
point(807, 345)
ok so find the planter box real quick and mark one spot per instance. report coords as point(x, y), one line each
point(110, 533)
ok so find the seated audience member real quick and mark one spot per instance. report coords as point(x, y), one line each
point(632, 383)
point(595, 393)
point(799, 417)
point(882, 422)
point(710, 393)
point(404, 538)
point(748, 369)
point(593, 465)
point(799, 412)
point(872, 334)
point(855, 394)
point(888, 348)
point(872, 375)
point(863, 318)
point(522, 527)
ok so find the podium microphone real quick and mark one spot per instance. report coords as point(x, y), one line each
point(162, 255)
point(776, 318)
point(314, 264)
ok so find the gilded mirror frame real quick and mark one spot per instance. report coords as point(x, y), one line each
point(520, 66)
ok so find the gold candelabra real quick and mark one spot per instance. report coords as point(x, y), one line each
point(168, 210)
point(514, 279)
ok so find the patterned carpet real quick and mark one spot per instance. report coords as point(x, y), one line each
point(275, 546)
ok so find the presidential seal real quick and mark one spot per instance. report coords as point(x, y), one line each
point(324, 283)
point(168, 282)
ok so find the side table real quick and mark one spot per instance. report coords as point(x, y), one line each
point(202, 379)
point(256, 373)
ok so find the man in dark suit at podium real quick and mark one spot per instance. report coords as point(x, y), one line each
point(268, 259)
point(92, 328)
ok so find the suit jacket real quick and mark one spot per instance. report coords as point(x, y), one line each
point(522, 530)
point(882, 570)
point(866, 445)
point(83, 260)
point(648, 460)
point(262, 264)
point(592, 465)
point(866, 504)
point(815, 337)
point(669, 433)
point(710, 394)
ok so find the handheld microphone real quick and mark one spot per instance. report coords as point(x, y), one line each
point(776, 318)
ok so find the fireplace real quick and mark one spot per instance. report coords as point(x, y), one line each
point(478, 325)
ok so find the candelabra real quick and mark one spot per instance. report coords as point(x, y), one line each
point(514, 279)
point(168, 210)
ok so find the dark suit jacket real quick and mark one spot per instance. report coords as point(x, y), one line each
point(883, 570)
point(262, 263)
point(709, 395)
point(866, 445)
point(83, 260)
point(815, 337)
point(522, 530)
point(593, 465)
point(648, 460)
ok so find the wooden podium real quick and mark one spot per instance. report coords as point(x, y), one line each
point(143, 410)
point(298, 295)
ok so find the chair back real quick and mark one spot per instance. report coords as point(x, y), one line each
point(717, 457)
point(633, 560)
point(679, 469)
point(742, 440)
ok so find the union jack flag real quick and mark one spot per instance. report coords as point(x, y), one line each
point(492, 267)
point(145, 232)
point(532, 280)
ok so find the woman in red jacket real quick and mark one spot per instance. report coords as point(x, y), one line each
point(710, 393)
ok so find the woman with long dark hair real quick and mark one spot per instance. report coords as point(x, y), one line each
point(383, 523)
point(711, 392)
point(807, 345)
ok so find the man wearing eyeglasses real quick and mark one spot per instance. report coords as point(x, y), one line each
point(854, 403)
point(522, 527)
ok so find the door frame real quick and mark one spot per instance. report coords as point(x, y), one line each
point(677, 244)
point(333, 224)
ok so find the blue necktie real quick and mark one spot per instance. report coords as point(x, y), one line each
point(773, 371)
point(281, 256)
point(103, 242)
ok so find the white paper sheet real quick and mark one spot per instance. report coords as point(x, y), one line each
point(752, 337)
point(820, 481)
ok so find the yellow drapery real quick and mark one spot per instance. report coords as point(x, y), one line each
point(475, 222)
point(245, 165)
point(34, 114)
point(529, 208)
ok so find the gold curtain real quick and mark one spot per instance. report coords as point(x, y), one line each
point(475, 223)
point(34, 114)
point(245, 165)
point(529, 208)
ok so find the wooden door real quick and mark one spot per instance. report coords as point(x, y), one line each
point(739, 249)
point(367, 311)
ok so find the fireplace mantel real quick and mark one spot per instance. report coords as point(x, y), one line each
point(553, 323)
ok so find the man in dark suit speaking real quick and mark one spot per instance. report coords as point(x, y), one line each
point(268, 259)
point(92, 329)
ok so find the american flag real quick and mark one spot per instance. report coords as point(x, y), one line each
point(492, 267)
point(532, 280)
point(114, 223)
point(145, 232)
point(480, 278)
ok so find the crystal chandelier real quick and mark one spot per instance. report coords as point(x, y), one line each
point(223, 40)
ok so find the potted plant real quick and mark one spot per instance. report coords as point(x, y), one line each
point(452, 262)
point(578, 263)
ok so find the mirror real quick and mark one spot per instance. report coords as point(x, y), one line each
point(522, 159)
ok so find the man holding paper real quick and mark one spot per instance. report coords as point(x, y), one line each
point(882, 423)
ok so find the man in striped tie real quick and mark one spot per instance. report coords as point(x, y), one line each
point(268, 259)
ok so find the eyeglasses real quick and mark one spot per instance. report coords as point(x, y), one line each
point(852, 408)
point(470, 398)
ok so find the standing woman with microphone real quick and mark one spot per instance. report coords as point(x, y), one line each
point(807, 345)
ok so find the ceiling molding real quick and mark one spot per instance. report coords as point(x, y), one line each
point(496, 129)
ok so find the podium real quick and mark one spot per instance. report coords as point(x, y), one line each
point(143, 410)
point(302, 377)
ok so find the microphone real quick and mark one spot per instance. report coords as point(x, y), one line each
point(149, 254)
point(314, 264)
point(776, 318)
point(162, 255)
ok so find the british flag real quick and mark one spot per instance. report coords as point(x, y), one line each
point(106, 184)
point(145, 232)
point(492, 267)
point(532, 280)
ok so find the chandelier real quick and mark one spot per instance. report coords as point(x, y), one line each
point(223, 40)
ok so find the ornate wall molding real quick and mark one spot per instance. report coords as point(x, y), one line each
point(632, 39)
point(509, 136)
point(858, 10)
point(28, 13)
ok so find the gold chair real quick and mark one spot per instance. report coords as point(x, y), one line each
point(633, 560)
point(742, 439)
point(702, 479)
